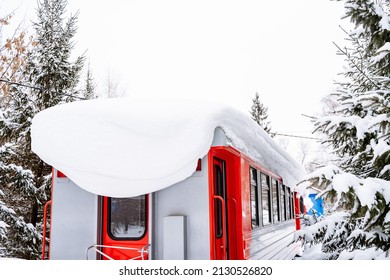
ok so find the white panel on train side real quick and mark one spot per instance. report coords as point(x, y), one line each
point(174, 238)
point(189, 198)
point(73, 221)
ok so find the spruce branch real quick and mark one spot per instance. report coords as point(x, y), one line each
point(345, 52)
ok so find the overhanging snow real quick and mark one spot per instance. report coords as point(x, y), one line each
point(125, 147)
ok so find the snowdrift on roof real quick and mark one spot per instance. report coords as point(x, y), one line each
point(124, 147)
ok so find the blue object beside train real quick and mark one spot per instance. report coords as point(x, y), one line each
point(318, 206)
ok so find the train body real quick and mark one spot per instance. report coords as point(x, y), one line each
point(230, 206)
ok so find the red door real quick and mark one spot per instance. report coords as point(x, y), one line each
point(220, 210)
point(226, 226)
point(124, 228)
point(225, 213)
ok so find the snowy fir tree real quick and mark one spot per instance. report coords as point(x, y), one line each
point(358, 131)
point(13, 56)
point(49, 78)
point(89, 86)
point(259, 113)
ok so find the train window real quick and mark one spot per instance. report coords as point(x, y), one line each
point(127, 217)
point(301, 206)
point(254, 200)
point(282, 202)
point(275, 201)
point(288, 208)
point(265, 199)
point(292, 205)
point(219, 190)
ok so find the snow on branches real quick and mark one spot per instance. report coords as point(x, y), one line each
point(359, 218)
point(358, 131)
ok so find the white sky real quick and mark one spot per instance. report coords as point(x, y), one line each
point(221, 50)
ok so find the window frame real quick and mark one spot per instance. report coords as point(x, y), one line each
point(292, 208)
point(219, 189)
point(275, 201)
point(301, 206)
point(288, 201)
point(109, 217)
point(268, 190)
point(282, 202)
point(254, 193)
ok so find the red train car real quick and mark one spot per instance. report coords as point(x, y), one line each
point(233, 200)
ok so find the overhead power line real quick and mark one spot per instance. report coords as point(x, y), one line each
point(38, 88)
point(19, 84)
point(296, 136)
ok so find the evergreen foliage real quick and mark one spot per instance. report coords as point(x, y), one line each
point(359, 133)
point(53, 78)
point(259, 113)
point(89, 87)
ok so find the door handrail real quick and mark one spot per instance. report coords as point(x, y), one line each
point(144, 250)
point(44, 229)
point(224, 241)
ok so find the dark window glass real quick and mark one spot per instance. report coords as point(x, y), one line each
point(282, 202)
point(288, 209)
point(301, 206)
point(265, 199)
point(254, 200)
point(127, 217)
point(219, 182)
point(292, 205)
point(275, 201)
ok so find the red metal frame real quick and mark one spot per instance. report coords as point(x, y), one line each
point(60, 174)
point(297, 212)
point(224, 236)
point(234, 244)
point(44, 230)
point(53, 174)
point(246, 223)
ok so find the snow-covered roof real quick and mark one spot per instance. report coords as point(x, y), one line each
point(125, 147)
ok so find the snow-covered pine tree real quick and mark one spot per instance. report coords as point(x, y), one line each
point(259, 113)
point(52, 79)
point(13, 55)
point(359, 133)
point(89, 86)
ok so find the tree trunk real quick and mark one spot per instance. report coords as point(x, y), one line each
point(34, 214)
